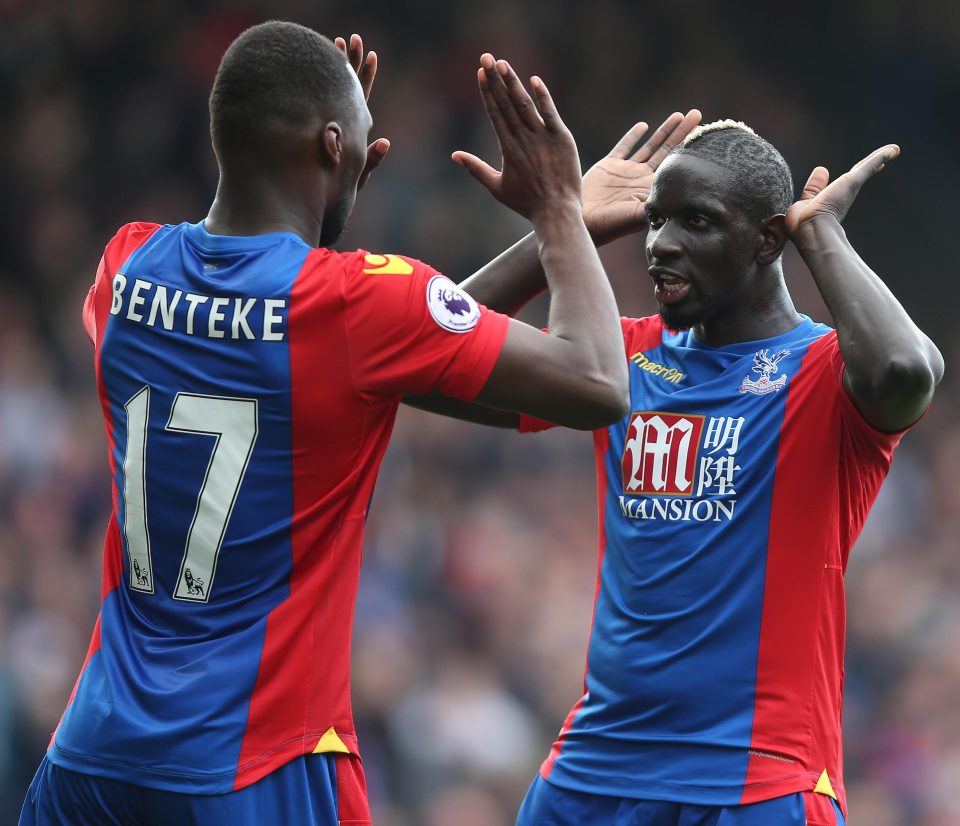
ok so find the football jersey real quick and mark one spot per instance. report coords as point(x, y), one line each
point(249, 387)
point(729, 498)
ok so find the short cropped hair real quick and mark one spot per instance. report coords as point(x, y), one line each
point(763, 178)
point(273, 75)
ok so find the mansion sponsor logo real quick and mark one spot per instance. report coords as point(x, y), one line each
point(678, 510)
point(670, 374)
point(684, 466)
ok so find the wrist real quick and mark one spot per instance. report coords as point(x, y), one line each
point(603, 235)
point(815, 232)
point(558, 218)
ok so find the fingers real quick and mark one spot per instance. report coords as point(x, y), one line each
point(669, 136)
point(368, 73)
point(482, 171)
point(625, 146)
point(818, 179)
point(873, 163)
point(546, 106)
point(355, 52)
point(365, 67)
point(495, 73)
point(519, 97)
point(509, 106)
point(490, 105)
point(353, 56)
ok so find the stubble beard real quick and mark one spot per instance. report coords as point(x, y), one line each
point(334, 226)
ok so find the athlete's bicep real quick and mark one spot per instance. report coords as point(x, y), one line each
point(533, 375)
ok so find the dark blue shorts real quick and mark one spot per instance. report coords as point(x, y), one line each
point(549, 805)
point(313, 790)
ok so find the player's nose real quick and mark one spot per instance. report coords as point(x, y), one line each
point(663, 244)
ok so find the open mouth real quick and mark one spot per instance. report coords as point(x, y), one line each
point(669, 288)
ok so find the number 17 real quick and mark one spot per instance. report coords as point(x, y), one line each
point(234, 424)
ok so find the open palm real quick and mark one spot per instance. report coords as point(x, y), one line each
point(616, 187)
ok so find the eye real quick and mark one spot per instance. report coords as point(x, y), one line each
point(698, 222)
point(654, 219)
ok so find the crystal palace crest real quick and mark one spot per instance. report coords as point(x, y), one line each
point(767, 366)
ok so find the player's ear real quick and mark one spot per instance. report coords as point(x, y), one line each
point(772, 239)
point(331, 143)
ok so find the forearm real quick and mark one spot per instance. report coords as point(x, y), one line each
point(583, 309)
point(891, 366)
point(465, 411)
point(510, 280)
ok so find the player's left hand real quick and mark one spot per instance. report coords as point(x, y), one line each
point(366, 69)
point(616, 187)
point(819, 198)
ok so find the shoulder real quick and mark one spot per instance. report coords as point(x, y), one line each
point(133, 234)
point(399, 283)
point(641, 333)
point(822, 347)
point(363, 263)
point(362, 273)
point(127, 240)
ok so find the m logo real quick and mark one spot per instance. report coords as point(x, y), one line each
point(660, 453)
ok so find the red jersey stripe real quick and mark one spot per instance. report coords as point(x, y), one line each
point(797, 577)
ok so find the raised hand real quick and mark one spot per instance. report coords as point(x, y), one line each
point(616, 187)
point(835, 199)
point(540, 168)
point(366, 69)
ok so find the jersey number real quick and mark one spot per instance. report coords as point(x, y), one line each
point(234, 424)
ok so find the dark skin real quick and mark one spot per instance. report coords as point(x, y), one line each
point(728, 266)
point(303, 178)
point(615, 190)
point(892, 368)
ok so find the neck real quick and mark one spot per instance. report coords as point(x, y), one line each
point(248, 205)
point(771, 314)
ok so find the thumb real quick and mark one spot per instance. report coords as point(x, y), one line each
point(815, 183)
point(376, 152)
point(482, 171)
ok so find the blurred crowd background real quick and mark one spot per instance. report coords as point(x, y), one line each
point(479, 568)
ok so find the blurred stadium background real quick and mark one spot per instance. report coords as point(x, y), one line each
point(479, 569)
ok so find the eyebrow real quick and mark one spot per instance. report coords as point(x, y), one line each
point(708, 207)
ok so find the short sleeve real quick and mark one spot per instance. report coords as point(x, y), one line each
point(412, 330)
point(864, 441)
point(529, 424)
point(96, 306)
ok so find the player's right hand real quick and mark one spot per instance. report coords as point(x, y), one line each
point(540, 166)
point(366, 70)
point(617, 186)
